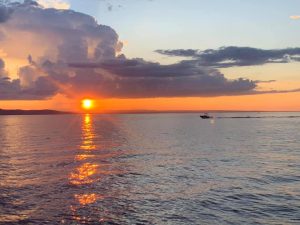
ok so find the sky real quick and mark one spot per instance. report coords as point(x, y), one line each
point(150, 54)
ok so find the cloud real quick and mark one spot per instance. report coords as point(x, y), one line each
point(236, 56)
point(57, 4)
point(295, 17)
point(5, 13)
point(110, 7)
point(3, 73)
point(2, 70)
point(12, 89)
point(70, 53)
point(50, 35)
point(137, 78)
point(57, 35)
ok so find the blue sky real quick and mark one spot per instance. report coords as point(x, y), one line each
point(169, 24)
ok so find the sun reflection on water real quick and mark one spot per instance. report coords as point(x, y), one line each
point(84, 174)
point(86, 199)
point(83, 157)
point(88, 134)
point(89, 172)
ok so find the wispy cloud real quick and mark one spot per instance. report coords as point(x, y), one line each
point(295, 17)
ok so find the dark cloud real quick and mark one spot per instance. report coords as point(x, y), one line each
point(5, 12)
point(141, 68)
point(138, 78)
point(38, 88)
point(70, 53)
point(106, 81)
point(2, 64)
point(3, 73)
point(236, 56)
point(122, 78)
point(13, 90)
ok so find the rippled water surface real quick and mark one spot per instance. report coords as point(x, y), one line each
point(150, 169)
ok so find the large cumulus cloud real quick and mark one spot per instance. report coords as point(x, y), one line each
point(70, 53)
point(50, 36)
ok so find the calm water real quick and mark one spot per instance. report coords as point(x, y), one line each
point(150, 169)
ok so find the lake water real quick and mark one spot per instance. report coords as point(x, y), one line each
point(150, 169)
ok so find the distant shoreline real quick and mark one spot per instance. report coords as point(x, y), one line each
point(7, 112)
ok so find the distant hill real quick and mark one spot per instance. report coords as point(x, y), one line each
point(31, 112)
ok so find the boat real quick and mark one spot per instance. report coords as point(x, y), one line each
point(206, 116)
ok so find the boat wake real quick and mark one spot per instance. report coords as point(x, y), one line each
point(256, 117)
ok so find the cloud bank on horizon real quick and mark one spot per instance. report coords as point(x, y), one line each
point(70, 53)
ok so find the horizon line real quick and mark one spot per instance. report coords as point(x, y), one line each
point(141, 111)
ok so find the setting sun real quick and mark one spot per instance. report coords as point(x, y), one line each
point(87, 104)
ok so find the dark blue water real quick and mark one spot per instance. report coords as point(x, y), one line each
point(150, 169)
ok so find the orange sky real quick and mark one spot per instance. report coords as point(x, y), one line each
point(286, 76)
point(265, 102)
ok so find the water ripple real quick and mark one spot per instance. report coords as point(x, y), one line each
point(150, 169)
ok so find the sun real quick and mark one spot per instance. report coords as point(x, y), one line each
point(87, 104)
